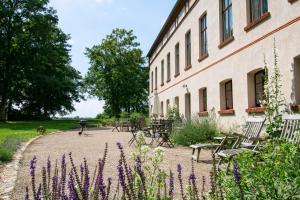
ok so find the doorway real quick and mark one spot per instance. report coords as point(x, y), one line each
point(188, 105)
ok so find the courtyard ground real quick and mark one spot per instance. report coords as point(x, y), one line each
point(91, 147)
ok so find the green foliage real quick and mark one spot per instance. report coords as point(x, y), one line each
point(274, 99)
point(41, 130)
point(272, 174)
point(173, 113)
point(8, 148)
point(196, 130)
point(35, 71)
point(117, 74)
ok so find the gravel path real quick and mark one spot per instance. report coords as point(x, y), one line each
point(91, 147)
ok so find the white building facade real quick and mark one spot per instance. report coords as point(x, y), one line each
point(210, 55)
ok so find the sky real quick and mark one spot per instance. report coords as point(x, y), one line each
point(89, 21)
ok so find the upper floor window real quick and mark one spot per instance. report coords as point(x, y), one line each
point(259, 80)
point(188, 50)
point(203, 35)
point(155, 78)
point(162, 73)
point(177, 72)
point(257, 9)
point(152, 81)
point(227, 29)
point(168, 67)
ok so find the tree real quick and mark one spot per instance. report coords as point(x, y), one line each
point(117, 74)
point(35, 71)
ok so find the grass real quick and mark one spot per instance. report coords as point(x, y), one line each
point(13, 133)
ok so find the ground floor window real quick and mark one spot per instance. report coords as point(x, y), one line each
point(297, 79)
point(176, 102)
point(162, 108)
point(259, 80)
point(167, 104)
point(203, 100)
point(226, 97)
point(256, 95)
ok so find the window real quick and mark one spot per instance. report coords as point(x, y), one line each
point(188, 49)
point(228, 95)
point(155, 78)
point(203, 100)
point(227, 29)
point(168, 67)
point(177, 60)
point(259, 79)
point(162, 108)
point(162, 73)
point(177, 103)
point(297, 80)
point(203, 36)
point(257, 9)
point(152, 81)
point(168, 104)
point(255, 84)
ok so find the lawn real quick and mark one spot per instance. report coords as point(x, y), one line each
point(12, 133)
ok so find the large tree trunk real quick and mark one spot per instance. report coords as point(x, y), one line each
point(2, 111)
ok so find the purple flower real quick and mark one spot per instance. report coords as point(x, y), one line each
point(121, 174)
point(32, 174)
point(33, 166)
point(179, 170)
point(86, 184)
point(237, 175)
point(171, 186)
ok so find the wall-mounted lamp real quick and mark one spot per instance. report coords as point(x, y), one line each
point(185, 86)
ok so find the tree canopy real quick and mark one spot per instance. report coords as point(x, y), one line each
point(36, 78)
point(117, 74)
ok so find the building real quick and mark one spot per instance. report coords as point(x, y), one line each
point(210, 54)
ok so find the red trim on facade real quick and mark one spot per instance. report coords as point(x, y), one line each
point(226, 112)
point(256, 110)
point(202, 57)
point(187, 67)
point(258, 21)
point(203, 114)
point(226, 42)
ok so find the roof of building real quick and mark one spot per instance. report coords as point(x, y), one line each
point(167, 25)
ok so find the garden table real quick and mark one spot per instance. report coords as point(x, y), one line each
point(155, 127)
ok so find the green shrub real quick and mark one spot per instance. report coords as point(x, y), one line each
point(194, 131)
point(8, 148)
point(274, 173)
point(173, 113)
point(41, 130)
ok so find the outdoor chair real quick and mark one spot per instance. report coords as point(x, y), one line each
point(116, 126)
point(290, 133)
point(291, 129)
point(252, 129)
point(138, 124)
point(165, 133)
point(156, 127)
